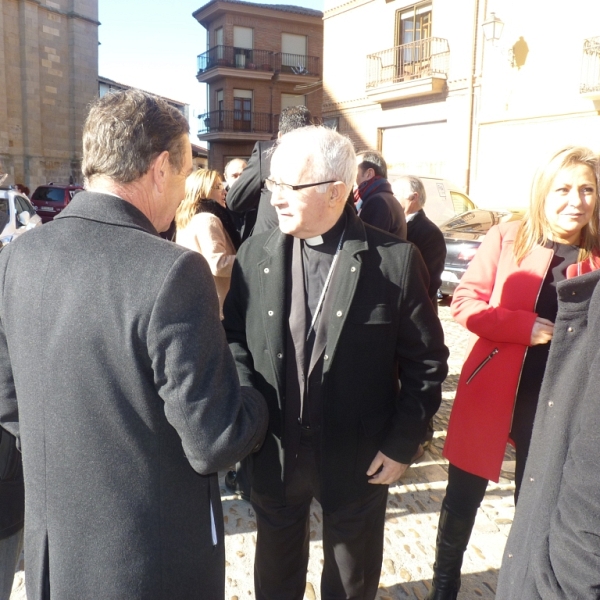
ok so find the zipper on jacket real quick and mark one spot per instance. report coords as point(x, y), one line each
point(482, 364)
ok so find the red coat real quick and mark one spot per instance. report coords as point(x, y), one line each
point(495, 301)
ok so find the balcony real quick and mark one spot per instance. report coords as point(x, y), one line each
point(590, 69)
point(236, 125)
point(415, 69)
point(230, 61)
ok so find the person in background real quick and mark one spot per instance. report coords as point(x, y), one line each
point(204, 225)
point(233, 169)
point(422, 232)
point(508, 300)
point(374, 200)
point(140, 406)
point(303, 298)
point(249, 192)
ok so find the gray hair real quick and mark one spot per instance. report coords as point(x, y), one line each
point(329, 155)
point(413, 185)
point(294, 117)
point(373, 160)
point(230, 164)
point(125, 131)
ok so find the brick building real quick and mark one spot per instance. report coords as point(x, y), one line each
point(260, 58)
point(48, 76)
point(454, 90)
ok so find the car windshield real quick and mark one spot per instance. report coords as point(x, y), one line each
point(47, 194)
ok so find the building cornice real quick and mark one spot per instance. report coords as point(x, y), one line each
point(342, 8)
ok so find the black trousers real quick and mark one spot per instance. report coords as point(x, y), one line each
point(352, 539)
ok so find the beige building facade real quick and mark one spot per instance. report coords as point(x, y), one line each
point(455, 90)
point(48, 77)
point(260, 58)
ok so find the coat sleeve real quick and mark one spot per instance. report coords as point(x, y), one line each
point(470, 304)
point(432, 246)
point(211, 238)
point(244, 194)
point(9, 413)
point(422, 361)
point(219, 423)
point(377, 213)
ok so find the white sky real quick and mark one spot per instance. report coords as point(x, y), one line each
point(153, 45)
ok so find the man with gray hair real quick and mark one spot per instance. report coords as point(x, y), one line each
point(422, 232)
point(139, 404)
point(322, 315)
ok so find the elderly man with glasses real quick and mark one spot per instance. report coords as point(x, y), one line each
point(323, 315)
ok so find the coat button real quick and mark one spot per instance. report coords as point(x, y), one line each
point(326, 357)
point(279, 355)
point(532, 479)
point(270, 313)
point(338, 313)
point(550, 404)
point(510, 555)
point(573, 293)
point(266, 269)
point(569, 329)
point(352, 269)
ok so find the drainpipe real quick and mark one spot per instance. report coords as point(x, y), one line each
point(471, 95)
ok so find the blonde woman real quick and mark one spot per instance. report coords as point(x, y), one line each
point(507, 299)
point(204, 225)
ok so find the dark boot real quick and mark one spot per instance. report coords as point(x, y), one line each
point(452, 540)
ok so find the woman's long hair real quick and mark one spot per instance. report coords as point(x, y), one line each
point(535, 229)
point(198, 187)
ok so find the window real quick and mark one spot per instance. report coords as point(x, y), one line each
point(220, 108)
point(219, 42)
point(288, 100)
point(293, 53)
point(22, 205)
point(242, 110)
point(413, 33)
point(243, 38)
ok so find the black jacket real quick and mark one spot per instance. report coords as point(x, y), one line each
point(248, 192)
point(380, 319)
point(138, 406)
point(12, 491)
point(381, 209)
point(428, 238)
point(554, 544)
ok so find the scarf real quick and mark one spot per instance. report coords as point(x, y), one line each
point(214, 208)
point(365, 189)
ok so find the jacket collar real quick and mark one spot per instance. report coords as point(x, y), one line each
point(105, 208)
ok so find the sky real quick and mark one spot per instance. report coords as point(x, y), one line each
point(153, 45)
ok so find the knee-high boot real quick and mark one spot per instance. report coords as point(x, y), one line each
point(452, 540)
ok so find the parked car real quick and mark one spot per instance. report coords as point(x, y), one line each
point(464, 234)
point(50, 199)
point(16, 213)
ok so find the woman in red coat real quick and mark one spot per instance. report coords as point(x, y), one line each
point(507, 299)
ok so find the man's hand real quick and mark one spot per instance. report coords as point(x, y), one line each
point(390, 472)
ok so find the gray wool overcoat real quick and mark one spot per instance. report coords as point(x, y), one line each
point(116, 376)
point(553, 549)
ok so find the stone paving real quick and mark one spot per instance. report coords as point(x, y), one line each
point(411, 521)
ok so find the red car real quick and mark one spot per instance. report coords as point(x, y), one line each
point(50, 199)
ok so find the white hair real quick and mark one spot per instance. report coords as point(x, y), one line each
point(328, 154)
point(411, 184)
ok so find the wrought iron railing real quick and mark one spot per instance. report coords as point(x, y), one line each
point(590, 67)
point(236, 121)
point(258, 60)
point(424, 58)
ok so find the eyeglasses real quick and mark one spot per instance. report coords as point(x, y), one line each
point(273, 186)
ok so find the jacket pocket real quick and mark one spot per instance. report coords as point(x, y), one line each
point(482, 364)
point(371, 314)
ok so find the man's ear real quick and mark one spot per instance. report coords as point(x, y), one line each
point(339, 193)
point(159, 168)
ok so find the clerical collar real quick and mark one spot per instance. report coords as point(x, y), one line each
point(330, 239)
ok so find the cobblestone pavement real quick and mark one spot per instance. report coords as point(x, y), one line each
point(411, 521)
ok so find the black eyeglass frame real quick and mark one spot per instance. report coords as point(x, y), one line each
point(301, 186)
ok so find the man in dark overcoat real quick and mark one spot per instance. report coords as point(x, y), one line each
point(322, 315)
point(116, 377)
point(248, 195)
point(554, 543)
